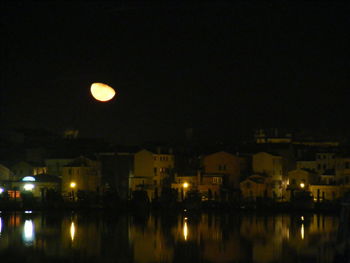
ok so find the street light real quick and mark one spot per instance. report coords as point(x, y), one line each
point(72, 185)
point(185, 185)
point(302, 185)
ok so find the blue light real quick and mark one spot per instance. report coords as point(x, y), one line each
point(28, 179)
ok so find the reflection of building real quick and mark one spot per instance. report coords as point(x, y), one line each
point(150, 245)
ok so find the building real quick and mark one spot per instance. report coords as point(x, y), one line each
point(152, 172)
point(185, 182)
point(310, 165)
point(222, 165)
point(116, 169)
point(82, 174)
point(342, 170)
point(55, 165)
point(254, 187)
point(23, 169)
point(323, 192)
point(271, 166)
point(37, 185)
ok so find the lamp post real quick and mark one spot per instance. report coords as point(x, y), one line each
point(72, 186)
point(185, 185)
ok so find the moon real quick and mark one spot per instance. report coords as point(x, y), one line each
point(102, 92)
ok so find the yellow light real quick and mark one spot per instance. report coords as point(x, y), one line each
point(185, 185)
point(72, 231)
point(302, 185)
point(302, 231)
point(102, 92)
point(73, 185)
point(302, 218)
point(185, 230)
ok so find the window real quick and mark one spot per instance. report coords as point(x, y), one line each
point(217, 180)
point(155, 170)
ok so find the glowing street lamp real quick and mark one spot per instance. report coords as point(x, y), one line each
point(185, 185)
point(302, 185)
point(72, 185)
point(1, 190)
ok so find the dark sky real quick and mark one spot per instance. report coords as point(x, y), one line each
point(220, 68)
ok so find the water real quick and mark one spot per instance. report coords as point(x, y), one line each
point(101, 237)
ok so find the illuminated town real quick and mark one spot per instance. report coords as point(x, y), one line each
point(273, 170)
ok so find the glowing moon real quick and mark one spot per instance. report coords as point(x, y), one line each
point(102, 92)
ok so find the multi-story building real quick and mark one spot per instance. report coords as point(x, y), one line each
point(55, 165)
point(152, 172)
point(222, 165)
point(342, 170)
point(271, 166)
point(82, 174)
point(310, 165)
point(22, 169)
point(325, 161)
point(254, 187)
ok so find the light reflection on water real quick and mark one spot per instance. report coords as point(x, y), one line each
point(28, 232)
point(174, 238)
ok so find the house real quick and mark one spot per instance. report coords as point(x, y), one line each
point(211, 187)
point(37, 185)
point(82, 174)
point(55, 165)
point(223, 165)
point(271, 166)
point(22, 169)
point(152, 171)
point(254, 187)
point(323, 192)
point(116, 169)
point(185, 182)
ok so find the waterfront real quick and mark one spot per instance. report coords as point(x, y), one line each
point(30, 236)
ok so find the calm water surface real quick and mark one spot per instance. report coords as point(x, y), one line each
point(96, 237)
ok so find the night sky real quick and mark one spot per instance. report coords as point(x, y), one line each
point(220, 68)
